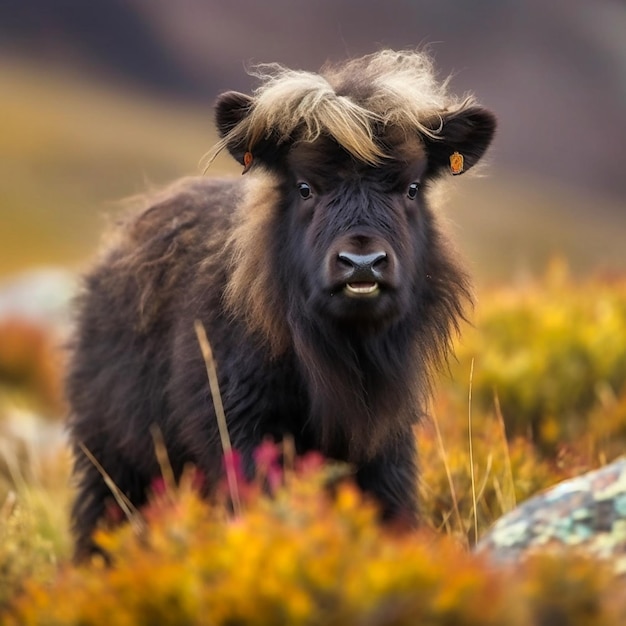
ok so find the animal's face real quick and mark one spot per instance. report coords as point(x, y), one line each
point(357, 236)
point(355, 241)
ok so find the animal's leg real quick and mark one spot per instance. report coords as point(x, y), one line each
point(392, 479)
point(95, 502)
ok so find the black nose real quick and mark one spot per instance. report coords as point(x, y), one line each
point(363, 266)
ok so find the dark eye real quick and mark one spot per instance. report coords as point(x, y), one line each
point(412, 192)
point(305, 190)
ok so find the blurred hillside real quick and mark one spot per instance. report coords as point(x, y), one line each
point(101, 99)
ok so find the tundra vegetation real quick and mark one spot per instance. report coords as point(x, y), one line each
point(305, 555)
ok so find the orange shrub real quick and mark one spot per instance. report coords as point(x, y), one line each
point(307, 556)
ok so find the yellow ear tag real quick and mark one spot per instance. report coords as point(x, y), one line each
point(247, 162)
point(456, 163)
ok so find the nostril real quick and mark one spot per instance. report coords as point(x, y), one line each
point(346, 260)
point(379, 261)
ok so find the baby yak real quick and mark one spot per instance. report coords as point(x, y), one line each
point(324, 282)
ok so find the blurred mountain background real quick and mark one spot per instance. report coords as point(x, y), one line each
point(103, 99)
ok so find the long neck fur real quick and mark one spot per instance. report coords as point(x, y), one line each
point(361, 392)
point(368, 388)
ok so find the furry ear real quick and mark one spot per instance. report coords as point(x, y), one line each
point(467, 132)
point(230, 109)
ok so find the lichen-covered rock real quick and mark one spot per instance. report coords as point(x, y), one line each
point(588, 512)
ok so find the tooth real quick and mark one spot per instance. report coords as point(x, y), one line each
point(362, 288)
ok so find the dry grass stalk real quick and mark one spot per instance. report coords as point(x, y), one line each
point(207, 355)
point(446, 465)
point(471, 450)
point(129, 510)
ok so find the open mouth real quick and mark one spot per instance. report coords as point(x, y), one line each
point(361, 289)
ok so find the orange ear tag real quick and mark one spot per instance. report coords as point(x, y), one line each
point(247, 162)
point(456, 163)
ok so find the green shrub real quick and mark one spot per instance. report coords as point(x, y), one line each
point(550, 354)
point(26, 553)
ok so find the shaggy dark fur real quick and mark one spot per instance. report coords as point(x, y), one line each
point(326, 288)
